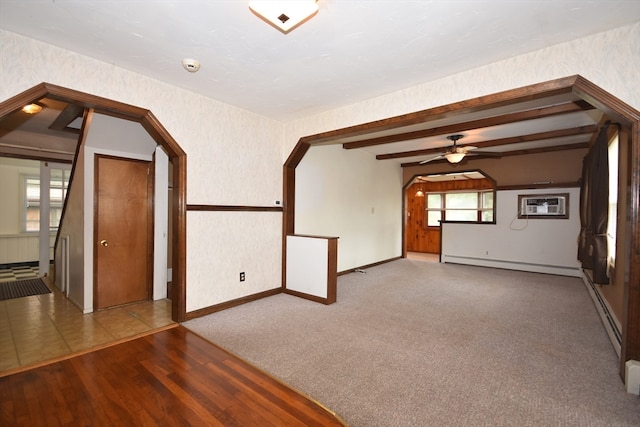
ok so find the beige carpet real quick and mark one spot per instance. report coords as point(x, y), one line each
point(411, 343)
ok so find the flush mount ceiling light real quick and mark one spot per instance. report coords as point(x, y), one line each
point(284, 15)
point(32, 108)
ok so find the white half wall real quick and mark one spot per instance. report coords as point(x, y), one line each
point(308, 265)
point(538, 245)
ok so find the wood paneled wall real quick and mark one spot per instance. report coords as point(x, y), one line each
point(418, 237)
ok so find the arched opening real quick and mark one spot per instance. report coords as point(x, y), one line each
point(548, 99)
point(430, 199)
point(176, 156)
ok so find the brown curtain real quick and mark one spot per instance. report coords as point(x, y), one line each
point(584, 249)
point(594, 206)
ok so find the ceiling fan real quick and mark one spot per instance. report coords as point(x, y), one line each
point(455, 153)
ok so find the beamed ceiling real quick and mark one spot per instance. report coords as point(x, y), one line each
point(332, 61)
point(552, 123)
point(556, 123)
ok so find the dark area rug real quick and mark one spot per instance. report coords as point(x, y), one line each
point(22, 288)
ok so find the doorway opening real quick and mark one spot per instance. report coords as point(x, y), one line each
point(466, 196)
point(79, 104)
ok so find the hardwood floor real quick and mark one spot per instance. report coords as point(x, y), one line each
point(169, 378)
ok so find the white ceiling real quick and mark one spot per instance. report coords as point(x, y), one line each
point(350, 51)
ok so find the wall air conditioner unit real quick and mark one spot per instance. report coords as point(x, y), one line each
point(543, 206)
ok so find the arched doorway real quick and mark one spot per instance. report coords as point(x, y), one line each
point(462, 116)
point(177, 160)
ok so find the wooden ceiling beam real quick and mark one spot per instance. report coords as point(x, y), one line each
point(68, 115)
point(536, 113)
point(590, 129)
point(510, 97)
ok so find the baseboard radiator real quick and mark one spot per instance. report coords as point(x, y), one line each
point(609, 320)
point(560, 270)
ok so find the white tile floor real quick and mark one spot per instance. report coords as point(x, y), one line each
point(18, 273)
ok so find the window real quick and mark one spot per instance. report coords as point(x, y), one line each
point(613, 201)
point(57, 192)
point(476, 206)
point(434, 209)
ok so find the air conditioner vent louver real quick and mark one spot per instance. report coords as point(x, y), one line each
point(547, 206)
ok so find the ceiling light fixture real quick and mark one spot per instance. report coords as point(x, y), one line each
point(284, 15)
point(455, 157)
point(32, 108)
point(455, 154)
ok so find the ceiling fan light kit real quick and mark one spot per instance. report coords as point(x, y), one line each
point(454, 157)
point(454, 154)
point(284, 15)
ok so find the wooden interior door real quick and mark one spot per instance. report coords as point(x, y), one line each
point(123, 239)
point(418, 237)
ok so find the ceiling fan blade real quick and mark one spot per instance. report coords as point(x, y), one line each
point(486, 153)
point(439, 156)
point(467, 148)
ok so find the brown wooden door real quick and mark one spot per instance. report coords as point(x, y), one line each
point(123, 239)
point(419, 238)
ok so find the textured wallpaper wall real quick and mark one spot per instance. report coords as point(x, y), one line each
point(234, 157)
point(222, 142)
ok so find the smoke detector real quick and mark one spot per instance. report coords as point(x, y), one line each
point(191, 65)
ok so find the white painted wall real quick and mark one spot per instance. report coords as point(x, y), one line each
point(74, 230)
point(160, 224)
point(17, 246)
point(534, 244)
point(12, 172)
point(350, 195)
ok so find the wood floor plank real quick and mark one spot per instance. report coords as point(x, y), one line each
point(169, 378)
point(270, 394)
point(271, 388)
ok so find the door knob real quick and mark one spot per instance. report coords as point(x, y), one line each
point(104, 242)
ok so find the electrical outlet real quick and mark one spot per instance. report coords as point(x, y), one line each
point(242, 276)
